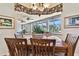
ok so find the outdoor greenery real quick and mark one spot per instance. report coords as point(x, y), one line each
point(54, 28)
point(37, 29)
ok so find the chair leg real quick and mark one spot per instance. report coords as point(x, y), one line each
point(66, 53)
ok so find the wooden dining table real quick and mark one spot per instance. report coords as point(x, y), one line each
point(60, 48)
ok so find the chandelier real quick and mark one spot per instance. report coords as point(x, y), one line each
point(39, 8)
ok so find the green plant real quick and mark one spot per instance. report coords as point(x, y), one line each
point(37, 29)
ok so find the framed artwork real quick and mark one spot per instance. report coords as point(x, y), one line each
point(71, 21)
point(6, 22)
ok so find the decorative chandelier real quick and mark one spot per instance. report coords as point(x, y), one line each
point(39, 8)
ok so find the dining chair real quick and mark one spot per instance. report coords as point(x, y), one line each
point(71, 41)
point(43, 47)
point(17, 47)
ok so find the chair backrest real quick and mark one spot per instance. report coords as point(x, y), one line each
point(72, 40)
point(17, 47)
point(43, 47)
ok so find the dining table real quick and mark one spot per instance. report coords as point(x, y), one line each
point(61, 46)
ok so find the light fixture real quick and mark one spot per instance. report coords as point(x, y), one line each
point(33, 6)
point(46, 5)
point(40, 6)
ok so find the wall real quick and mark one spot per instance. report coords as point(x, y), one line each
point(23, 16)
point(6, 9)
point(68, 10)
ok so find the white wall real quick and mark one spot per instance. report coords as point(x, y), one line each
point(6, 9)
point(23, 16)
point(70, 9)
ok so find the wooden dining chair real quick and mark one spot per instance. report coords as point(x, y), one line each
point(17, 47)
point(43, 47)
point(71, 41)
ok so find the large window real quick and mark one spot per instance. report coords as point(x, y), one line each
point(52, 24)
point(55, 25)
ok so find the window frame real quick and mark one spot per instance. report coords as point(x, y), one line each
point(47, 22)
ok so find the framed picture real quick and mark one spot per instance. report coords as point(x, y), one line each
point(71, 21)
point(6, 22)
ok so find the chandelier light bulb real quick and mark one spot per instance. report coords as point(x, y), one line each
point(34, 8)
point(46, 5)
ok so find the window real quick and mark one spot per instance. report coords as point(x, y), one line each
point(41, 26)
point(52, 24)
point(28, 28)
point(55, 25)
